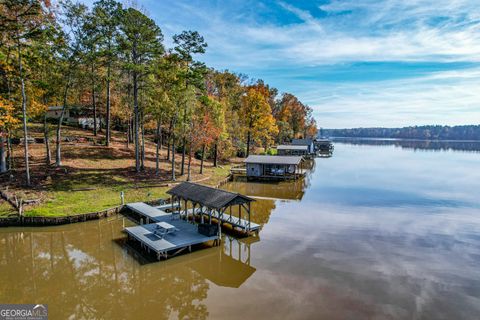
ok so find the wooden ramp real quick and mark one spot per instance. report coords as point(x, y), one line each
point(170, 244)
point(168, 206)
point(147, 211)
point(236, 222)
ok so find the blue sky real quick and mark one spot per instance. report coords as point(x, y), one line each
point(357, 63)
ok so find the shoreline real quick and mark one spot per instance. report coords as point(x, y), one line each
point(41, 221)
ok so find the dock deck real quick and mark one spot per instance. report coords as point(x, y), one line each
point(147, 211)
point(170, 244)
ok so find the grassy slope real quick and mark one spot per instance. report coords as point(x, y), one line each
point(106, 170)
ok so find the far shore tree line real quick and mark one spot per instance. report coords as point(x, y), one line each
point(428, 132)
point(111, 60)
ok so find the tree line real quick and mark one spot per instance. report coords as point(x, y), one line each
point(432, 132)
point(111, 60)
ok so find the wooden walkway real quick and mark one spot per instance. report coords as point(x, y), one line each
point(168, 206)
point(232, 220)
point(238, 170)
point(148, 212)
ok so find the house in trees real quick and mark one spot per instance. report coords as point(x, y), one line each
point(54, 112)
point(75, 116)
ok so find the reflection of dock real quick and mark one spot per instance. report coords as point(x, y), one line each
point(228, 267)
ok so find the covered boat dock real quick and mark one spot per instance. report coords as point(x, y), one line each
point(168, 233)
point(274, 167)
point(207, 203)
point(292, 150)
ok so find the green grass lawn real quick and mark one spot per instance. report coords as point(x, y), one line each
point(63, 201)
point(6, 209)
point(105, 171)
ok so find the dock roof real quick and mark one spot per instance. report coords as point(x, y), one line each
point(292, 147)
point(285, 160)
point(207, 196)
point(306, 142)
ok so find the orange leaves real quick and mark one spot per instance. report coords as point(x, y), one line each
point(7, 118)
point(205, 123)
point(298, 116)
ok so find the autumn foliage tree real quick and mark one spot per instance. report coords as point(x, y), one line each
point(110, 58)
point(259, 123)
point(8, 121)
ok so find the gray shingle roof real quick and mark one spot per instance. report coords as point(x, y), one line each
point(287, 160)
point(207, 196)
point(292, 147)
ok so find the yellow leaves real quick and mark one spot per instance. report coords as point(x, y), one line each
point(35, 105)
point(258, 114)
point(7, 118)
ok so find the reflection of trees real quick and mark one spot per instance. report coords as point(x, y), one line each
point(261, 210)
point(281, 190)
point(79, 271)
point(267, 193)
point(472, 146)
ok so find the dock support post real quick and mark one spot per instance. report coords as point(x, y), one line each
point(239, 213)
point(185, 202)
point(249, 220)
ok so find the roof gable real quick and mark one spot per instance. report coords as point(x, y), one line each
point(292, 147)
point(305, 142)
point(207, 196)
point(281, 160)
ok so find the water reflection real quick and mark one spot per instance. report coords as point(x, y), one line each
point(279, 190)
point(230, 267)
point(80, 271)
point(473, 146)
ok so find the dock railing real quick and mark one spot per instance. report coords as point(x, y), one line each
point(240, 169)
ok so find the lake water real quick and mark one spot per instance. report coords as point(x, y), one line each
point(378, 231)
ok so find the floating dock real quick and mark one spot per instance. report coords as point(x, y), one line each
point(170, 244)
point(148, 212)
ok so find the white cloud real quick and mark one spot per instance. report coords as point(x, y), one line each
point(450, 97)
point(374, 31)
point(350, 31)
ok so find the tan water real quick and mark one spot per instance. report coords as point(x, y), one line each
point(375, 232)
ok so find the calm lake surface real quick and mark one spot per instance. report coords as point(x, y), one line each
point(378, 231)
